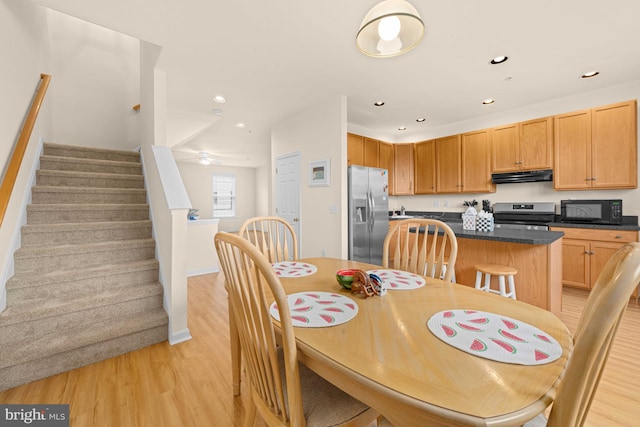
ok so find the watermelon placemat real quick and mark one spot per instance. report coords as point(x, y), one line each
point(293, 269)
point(318, 309)
point(398, 279)
point(494, 337)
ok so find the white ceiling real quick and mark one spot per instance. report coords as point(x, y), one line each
point(271, 59)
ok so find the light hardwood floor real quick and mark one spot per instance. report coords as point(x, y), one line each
point(189, 384)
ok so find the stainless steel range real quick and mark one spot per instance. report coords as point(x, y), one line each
point(524, 216)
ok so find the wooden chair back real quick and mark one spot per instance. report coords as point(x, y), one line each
point(422, 246)
point(273, 236)
point(594, 336)
point(249, 280)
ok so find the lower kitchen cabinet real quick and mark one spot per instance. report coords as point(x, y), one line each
point(585, 252)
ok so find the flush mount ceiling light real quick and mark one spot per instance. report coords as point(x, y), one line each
point(402, 128)
point(392, 27)
point(420, 120)
point(378, 103)
point(589, 74)
point(219, 99)
point(488, 101)
point(498, 60)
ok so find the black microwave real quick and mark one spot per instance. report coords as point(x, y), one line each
point(591, 211)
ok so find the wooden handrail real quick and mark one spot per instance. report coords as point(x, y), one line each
point(21, 147)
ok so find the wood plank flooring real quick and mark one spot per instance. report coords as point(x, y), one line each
point(189, 384)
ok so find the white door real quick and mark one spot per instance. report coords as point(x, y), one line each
point(288, 191)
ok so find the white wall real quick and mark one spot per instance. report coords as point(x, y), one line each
point(319, 133)
point(539, 191)
point(25, 55)
point(198, 182)
point(96, 82)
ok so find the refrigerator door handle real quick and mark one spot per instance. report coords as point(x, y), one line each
point(373, 210)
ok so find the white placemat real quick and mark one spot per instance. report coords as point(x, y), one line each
point(318, 309)
point(293, 268)
point(495, 337)
point(398, 279)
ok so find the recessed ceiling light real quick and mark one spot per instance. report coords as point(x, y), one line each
point(217, 111)
point(241, 125)
point(488, 101)
point(219, 99)
point(379, 103)
point(498, 60)
point(589, 74)
point(420, 120)
point(402, 128)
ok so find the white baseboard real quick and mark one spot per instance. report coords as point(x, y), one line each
point(181, 336)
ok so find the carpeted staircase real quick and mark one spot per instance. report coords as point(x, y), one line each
point(86, 279)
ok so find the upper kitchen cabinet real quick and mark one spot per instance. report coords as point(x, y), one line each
point(403, 169)
point(386, 162)
point(463, 163)
point(448, 153)
point(371, 152)
point(522, 146)
point(476, 162)
point(425, 167)
point(355, 150)
point(596, 148)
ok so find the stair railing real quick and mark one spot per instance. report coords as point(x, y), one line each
point(21, 147)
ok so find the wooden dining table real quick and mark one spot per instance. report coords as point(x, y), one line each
point(388, 358)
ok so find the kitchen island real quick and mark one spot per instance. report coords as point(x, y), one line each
point(537, 255)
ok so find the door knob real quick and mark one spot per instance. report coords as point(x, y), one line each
point(296, 219)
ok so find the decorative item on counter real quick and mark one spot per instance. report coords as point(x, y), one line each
point(345, 277)
point(484, 221)
point(486, 205)
point(193, 214)
point(469, 217)
point(367, 285)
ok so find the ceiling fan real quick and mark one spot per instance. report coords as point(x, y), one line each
point(201, 157)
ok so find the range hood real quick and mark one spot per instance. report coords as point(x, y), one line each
point(524, 176)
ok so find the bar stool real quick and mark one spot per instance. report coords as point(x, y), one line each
point(497, 270)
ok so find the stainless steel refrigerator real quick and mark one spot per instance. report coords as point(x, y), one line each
point(368, 213)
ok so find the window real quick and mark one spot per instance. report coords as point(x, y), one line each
point(224, 196)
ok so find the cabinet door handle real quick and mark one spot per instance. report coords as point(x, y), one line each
point(618, 236)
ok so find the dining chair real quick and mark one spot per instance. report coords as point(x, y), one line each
point(273, 236)
point(593, 338)
point(423, 246)
point(283, 391)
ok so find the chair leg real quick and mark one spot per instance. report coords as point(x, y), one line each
point(479, 280)
point(235, 353)
point(503, 290)
point(250, 414)
point(512, 287)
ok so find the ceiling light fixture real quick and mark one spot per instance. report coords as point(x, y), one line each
point(390, 28)
point(498, 60)
point(589, 74)
point(379, 103)
point(420, 120)
point(219, 99)
point(241, 125)
point(402, 128)
point(488, 101)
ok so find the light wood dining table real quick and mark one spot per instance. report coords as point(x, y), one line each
point(387, 357)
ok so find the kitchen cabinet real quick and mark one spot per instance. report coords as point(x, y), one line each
point(476, 162)
point(425, 167)
point(403, 169)
point(371, 152)
point(355, 150)
point(596, 148)
point(463, 163)
point(522, 146)
point(386, 162)
point(585, 252)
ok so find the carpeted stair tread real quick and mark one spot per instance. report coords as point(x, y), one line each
point(68, 212)
point(31, 279)
point(88, 179)
point(63, 150)
point(25, 311)
point(83, 232)
point(84, 335)
point(66, 257)
point(42, 194)
point(89, 165)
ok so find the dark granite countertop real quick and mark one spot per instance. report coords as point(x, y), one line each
point(526, 237)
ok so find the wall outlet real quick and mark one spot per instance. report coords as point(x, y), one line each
point(323, 252)
point(446, 203)
point(436, 203)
